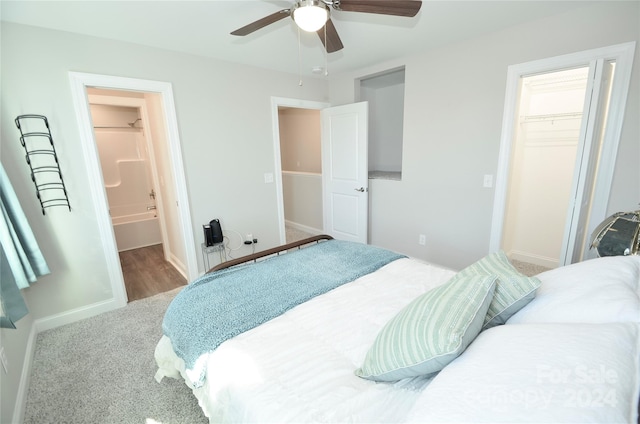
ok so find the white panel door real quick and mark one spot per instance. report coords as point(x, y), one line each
point(345, 171)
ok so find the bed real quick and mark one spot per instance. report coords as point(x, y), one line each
point(407, 341)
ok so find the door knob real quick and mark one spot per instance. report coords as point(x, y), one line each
point(361, 189)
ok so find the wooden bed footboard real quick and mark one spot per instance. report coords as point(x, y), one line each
point(274, 251)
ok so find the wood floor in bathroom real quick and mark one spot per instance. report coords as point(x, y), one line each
point(146, 273)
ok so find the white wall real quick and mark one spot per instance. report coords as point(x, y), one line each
point(174, 247)
point(385, 125)
point(302, 196)
point(300, 140)
point(454, 100)
point(225, 155)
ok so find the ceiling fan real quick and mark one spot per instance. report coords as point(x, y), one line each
point(315, 16)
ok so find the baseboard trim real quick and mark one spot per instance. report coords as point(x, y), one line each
point(533, 259)
point(179, 266)
point(305, 228)
point(78, 314)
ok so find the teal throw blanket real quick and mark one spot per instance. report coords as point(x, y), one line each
point(223, 304)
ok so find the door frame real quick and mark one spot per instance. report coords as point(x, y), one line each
point(292, 103)
point(623, 55)
point(79, 83)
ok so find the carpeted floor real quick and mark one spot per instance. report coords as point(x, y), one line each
point(527, 268)
point(293, 234)
point(100, 370)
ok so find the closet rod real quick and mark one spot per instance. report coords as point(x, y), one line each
point(550, 117)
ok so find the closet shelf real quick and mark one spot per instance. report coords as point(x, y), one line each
point(41, 156)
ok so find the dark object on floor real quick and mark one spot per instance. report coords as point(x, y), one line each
point(619, 234)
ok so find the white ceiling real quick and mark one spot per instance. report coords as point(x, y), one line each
point(203, 27)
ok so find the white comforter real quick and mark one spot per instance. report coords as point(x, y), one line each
point(571, 355)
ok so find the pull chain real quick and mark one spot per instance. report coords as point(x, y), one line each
point(299, 60)
point(326, 52)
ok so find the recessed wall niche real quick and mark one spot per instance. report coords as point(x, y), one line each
point(385, 94)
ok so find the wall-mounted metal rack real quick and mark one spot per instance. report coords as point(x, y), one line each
point(41, 156)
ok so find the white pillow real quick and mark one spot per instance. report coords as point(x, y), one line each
point(539, 373)
point(598, 290)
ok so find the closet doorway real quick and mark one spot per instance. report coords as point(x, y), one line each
point(543, 161)
point(601, 118)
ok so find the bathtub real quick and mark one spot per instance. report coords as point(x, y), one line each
point(136, 230)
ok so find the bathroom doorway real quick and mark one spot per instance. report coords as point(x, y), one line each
point(174, 206)
point(123, 127)
point(130, 175)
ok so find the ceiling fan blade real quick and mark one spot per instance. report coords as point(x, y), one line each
point(333, 39)
point(261, 23)
point(406, 8)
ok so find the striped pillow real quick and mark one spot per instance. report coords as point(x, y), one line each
point(513, 290)
point(431, 331)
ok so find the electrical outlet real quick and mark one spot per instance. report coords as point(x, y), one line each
point(422, 240)
point(3, 358)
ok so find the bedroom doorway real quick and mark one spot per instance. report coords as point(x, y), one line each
point(289, 117)
point(345, 191)
point(601, 125)
point(301, 159)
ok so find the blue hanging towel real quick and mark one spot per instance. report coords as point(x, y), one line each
point(21, 261)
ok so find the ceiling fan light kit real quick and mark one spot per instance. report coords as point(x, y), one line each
point(314, 16)
point(310, 15)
